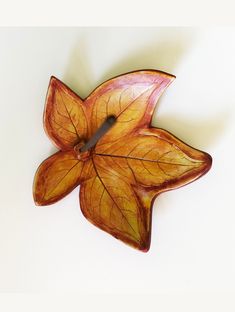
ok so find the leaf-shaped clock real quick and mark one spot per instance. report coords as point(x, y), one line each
point(108, 146)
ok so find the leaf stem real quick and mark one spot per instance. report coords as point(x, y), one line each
point(106, 125)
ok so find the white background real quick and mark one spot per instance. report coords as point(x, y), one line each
point(55, 248)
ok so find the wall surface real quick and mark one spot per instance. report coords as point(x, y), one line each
point(193, 235)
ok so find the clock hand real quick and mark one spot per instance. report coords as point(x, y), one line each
point(107, 124)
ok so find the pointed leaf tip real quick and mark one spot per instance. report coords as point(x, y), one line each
point(65, 121)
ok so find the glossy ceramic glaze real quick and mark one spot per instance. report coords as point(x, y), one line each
point(132, 163)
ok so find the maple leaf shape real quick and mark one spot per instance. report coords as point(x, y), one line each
point(128, 167)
